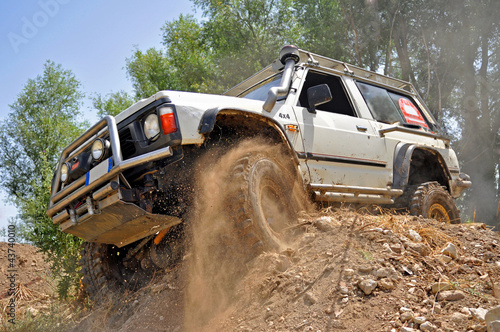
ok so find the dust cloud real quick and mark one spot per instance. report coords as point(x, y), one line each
point(218, 257)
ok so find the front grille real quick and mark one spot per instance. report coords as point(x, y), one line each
point(126, 143)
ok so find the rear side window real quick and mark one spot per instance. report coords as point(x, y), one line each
point(380, 103)
point(390, 107)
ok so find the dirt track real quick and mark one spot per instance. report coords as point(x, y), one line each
point(348, 271)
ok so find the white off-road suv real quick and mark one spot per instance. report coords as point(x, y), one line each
point(345, 134)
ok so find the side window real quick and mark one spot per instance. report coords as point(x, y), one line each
point(388, 106)
point(339, 104)
point(380, 103)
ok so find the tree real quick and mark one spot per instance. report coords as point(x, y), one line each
point(149, 72)
point(112, 103)
point(43, 120)
point(244, 36)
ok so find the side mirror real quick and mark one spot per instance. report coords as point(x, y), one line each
point(317, 95)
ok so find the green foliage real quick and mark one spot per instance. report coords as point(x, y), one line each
point(149, 72)
point(189, 54)
point(112, 103)
point(244, 36)
point(42, 121)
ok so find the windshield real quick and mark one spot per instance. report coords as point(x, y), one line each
point(259, 91)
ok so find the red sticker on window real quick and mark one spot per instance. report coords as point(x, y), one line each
point(411, 113)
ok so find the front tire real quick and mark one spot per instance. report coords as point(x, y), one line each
point(104, 271)
point(262, 202)
point(431, 200)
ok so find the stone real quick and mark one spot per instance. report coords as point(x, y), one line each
point(310, 298)
point(492, 316)
point(367, 286)
point(344, 290)
point(450, 250)
point(451, 295)
point(406, 316)
point(386, 284)
point(458, 317)
point(348, 273)
point(420, 248)
point(397, 248)
point(443, 258)
point(385, 272)
point(494, 326)
point(440, 286)
point(365, 269)
point(419, 320)
point(479, 313)
point(323, 224)
point(414, 236)
point(479, 328)
point(428, 326)
point(407, 329)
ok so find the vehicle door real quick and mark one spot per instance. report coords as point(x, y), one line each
point(339, 146)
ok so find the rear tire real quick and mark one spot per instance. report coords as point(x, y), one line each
point(431, 200)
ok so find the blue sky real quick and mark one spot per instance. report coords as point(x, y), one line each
point(91, 38)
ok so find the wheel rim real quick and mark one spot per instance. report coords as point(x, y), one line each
point(438, 212)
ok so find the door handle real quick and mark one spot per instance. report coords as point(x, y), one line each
point(361, 128)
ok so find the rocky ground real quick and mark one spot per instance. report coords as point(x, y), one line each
point(34, 288)
point(349, 271)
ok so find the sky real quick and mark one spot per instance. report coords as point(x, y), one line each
point(91, 38)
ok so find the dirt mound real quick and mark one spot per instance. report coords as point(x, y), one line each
point(34, 288)
point(349, 271)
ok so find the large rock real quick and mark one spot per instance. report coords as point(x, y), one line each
point(440, 286)
point(420, 248)
point(367, 286)
point(452, 295)
point(492, 319)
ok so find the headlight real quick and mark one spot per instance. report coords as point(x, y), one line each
point(99, 149)
point(64, 172)
point(151, 127)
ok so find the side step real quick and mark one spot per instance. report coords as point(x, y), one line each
point(354, 194)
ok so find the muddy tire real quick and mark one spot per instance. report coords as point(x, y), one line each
point(104, 273)
point(431, 200)
point(262, 202)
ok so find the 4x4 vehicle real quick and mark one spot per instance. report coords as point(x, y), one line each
point(345, 133)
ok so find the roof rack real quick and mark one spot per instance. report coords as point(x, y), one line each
point(321, 62)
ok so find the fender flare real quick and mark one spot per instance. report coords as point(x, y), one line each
point(207, 121)
point(209, 118)
point(402, 163)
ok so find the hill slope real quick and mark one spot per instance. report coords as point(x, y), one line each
point(348, 271)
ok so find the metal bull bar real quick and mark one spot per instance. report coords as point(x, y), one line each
point(62, 198)
point(114, 221)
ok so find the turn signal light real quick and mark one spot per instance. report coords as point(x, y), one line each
point(167, 119)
